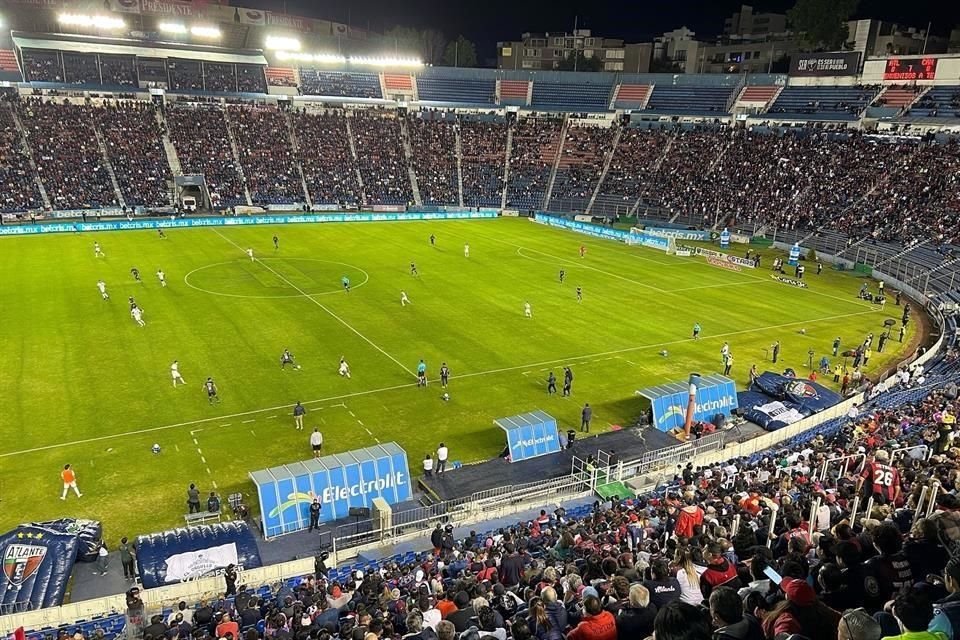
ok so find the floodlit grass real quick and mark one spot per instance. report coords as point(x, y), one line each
point(82, 383)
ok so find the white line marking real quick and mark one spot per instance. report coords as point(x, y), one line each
point(408, 385)
point(520, 251)
point(319, 304)
point(226, 425)
point(194, 440)
point(252, 433)
point(177, 447)
point(186, 280)
point(214, 483)
point(360, 422)
point(271, 417)
point(340, 404)
point(203, 460)
point(199, 452)
point(248, 421)
point(208, 470)
point(352, 414)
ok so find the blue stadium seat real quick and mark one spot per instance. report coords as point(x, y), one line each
point(689, 100)
point(563, 96)
point(823, 103)
point(464, 91)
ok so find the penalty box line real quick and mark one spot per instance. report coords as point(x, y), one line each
point(321, 305)
point(395, 387)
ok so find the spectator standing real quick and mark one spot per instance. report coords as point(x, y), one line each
point(193, 499)
point(442, 453)
point(127, 558)
point(428, 465)
point(315, 514)
point(103, 560)
point(585, 416)
point(230, 580)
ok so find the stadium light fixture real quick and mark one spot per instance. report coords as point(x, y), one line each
point(282, 43)
point(385, 61)
point(205, 32)
point(333, 58)
point(172, 27)
point(323, 58)
point(97, 22)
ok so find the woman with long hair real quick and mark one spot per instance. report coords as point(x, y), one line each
point(690, 566)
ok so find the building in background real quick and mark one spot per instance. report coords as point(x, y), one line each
point(879, 38)
point(576, 51)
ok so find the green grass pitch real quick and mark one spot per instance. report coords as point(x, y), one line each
point(80, 382)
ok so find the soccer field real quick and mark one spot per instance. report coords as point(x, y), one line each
point(81, 383)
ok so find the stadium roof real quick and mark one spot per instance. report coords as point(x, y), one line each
point(121, 46)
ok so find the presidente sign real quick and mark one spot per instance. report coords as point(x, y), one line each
point(599, 231)
point(341, 482)
point(219, 221)
point(715, 394)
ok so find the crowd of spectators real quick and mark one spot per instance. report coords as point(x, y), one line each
point(946, 106)
point(184, 75)
point(637, 153)
point(335, 83)
point(324, 152)
point(220, 77)
point(67, 154)
point(41, 66)
point(134, 142)
point(534, 151)
point(200, 137)
point(250, 78)
point(266, 155)
point(18, 187)
point(759, 548)
point(434, 146)
point(118, 71)
point(483, 148)
point(81, 68)
point(581, 163)
point(380, 156)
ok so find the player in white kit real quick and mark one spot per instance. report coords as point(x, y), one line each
point(137, 314)
point(344, 367)
point(162, 277)
point(175, 374)
point(250, 253)
point(527, 310)
point(102, 286)
point(97, 252)
point(404, 300)
point(466, 251)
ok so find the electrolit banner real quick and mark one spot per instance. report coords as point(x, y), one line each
point(530, 435)
point(794, 258)
point(725, 239)
point(217, 221)
point(599, 231)
point(715, 394)
point(341, 482)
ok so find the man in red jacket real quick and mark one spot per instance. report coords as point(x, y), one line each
point(688, 517)
point(597, 623)
point(720, 572)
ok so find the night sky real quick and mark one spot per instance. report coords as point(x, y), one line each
point(487, 21)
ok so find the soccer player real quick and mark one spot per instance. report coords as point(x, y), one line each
point(444, 375)
point(211, 388)
point(162, 277)
point(433, 240)
point(250, 254)
point(137, 314)
point(882, 479)
point(97, 252)
point(175, 374)
point(276, 243)
point(466, 250)
point(344, 369)
point(527, 310)
point(413, 269)
point(563, 274)
point(102, 286)
point(422, 374)
point(345, 281)
point(163, 236)
point(579, 295)
point(567, 381)
point(136, 274)
point(69, 482)
point(551, 384)
point(404, 300)
point(696, 331)
point(583, 251)
point(287, 358)
point(133, 303)
point(298, 412)
point(724, 350)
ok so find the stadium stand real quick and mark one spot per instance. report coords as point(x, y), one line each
point(41, 66)
point(132, 137)
point(8, 61)
point(938, 102)
point(581, 164)
point(219, 77)
point(18, 189)
point(823, 103)
point(324, 154)
point(251, 79)
point(81, 68)
point(68, 157)
point(483, 146)
point(434, 145)
point(340, 84)
point(535, 144)
point(899, 97)
point(380, 157)
point(118, 71)
point(688, 99)
point(757, 95)
point(281, 76)
point(636, 154)
point(203, 147)
point(460, 91)
point(187, 75)
point(267, 158)
point(398, 82)
point(514, 92)
point(632, 96)
point(570, 97)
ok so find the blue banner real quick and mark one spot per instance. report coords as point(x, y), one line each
point(162, 223)
point(340, 481)
point(679, 234)
point(599, 231)
point(715, 394)
point(530, 435)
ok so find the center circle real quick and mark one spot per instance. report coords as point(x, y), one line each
point(244, 278)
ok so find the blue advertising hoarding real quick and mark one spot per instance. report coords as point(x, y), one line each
point(341, 481)
point(679, 234)
point(646, 239)
point(217, 221)
point(715, 394)
point(530, 435)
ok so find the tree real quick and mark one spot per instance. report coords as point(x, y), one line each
point(576, 61)
point(823, 23)
point(428, 44)
point(460, 53)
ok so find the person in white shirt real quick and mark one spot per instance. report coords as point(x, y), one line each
point(442, 454)
point(137, 314)
point(428, 465)
point(344, 367)
point(316, 442)
point(404, 300)
point(97, 252)
point(102, 286)
point(466, 251)
point(527, 311)
point(162, 277)
point(175, 373)
point(250, 253)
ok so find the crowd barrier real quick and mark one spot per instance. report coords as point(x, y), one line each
point(220, 221)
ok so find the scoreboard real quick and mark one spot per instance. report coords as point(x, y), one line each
point(909, 69)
